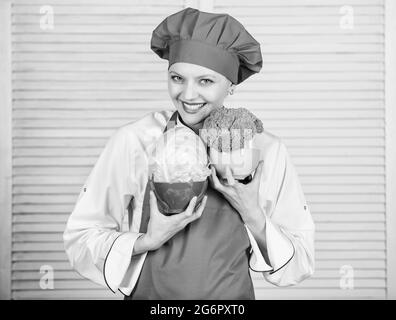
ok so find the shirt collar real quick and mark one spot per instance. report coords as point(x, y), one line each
point(179, 122)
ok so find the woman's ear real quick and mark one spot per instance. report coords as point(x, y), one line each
point(231, 88)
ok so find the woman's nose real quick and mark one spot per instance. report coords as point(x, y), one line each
point(189, 92)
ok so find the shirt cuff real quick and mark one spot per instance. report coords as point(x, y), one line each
point(132, 274)
point(119, 261)
point(280, 250)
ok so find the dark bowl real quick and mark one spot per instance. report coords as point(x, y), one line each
point(173, 198)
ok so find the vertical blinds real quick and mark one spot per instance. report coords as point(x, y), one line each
point(321, 90)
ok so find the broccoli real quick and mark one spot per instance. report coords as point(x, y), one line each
point(227, 129)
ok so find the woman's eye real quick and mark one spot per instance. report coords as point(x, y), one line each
point(176, 78)
point(179, 79)
point(207, 81)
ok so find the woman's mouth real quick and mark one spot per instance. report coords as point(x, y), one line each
point(193, 107)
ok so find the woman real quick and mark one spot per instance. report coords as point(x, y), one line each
point(204, 253)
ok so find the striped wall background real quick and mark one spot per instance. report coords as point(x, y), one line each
point(321, 90)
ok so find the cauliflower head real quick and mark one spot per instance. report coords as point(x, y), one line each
point(227, 129)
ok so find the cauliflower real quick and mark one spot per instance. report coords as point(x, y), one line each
point(227, 129)
point(179, 156)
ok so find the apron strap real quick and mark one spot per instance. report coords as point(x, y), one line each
point(172, 121)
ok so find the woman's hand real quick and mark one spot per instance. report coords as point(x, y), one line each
point(161, 228)
point(243, 197)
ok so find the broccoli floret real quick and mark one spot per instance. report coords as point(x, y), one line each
point(227, 129)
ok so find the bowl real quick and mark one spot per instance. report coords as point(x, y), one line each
point(173, 198)
point(242, 162)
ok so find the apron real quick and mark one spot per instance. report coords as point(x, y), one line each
point(207, 260)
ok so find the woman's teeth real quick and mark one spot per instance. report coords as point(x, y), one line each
point(192, 107)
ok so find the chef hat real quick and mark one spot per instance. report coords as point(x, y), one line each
point(215, 41)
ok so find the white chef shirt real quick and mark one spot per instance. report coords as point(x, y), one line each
point(101, 251)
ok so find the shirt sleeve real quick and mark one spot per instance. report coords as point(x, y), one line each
point(289, 230)
point(94, 243)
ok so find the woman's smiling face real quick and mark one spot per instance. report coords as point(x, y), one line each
point(196, 91)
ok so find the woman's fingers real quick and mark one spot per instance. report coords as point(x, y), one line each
point(190, 209)
point(190, 214)
point(201, 206)
point(198, 213)
point(216, 183)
